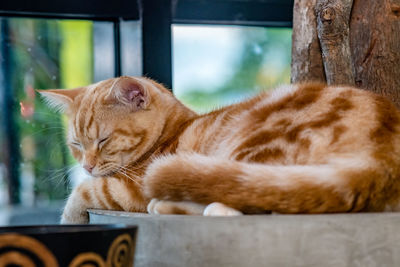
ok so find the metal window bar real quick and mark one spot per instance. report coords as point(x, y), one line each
point(9, 127)
point(117, 48)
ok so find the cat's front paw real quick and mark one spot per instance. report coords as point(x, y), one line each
point(219, 209)
point(172, 207)
point(151, 206)
point(74, 217)
point(164, 207)
point(75, 210)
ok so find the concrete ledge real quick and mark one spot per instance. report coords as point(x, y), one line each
point(263, 240)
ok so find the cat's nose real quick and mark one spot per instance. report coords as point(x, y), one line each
point(88, 167)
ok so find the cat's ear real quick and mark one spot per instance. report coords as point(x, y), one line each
point(60, 99)
point(130, 92)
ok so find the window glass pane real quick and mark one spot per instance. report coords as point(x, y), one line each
point(35, 165)
point(103, 51)
point(131, 48)
point(218, 65)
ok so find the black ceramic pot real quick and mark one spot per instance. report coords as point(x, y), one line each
point(67, 245)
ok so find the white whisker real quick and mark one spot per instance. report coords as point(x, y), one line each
point(123, 170)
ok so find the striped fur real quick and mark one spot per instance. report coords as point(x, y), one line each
point(305, 148)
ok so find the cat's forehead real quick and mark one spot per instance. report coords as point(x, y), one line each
point(92, 96)
point(89, 129)
point(89, 118)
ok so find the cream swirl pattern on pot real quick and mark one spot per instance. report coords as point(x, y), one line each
point(121, 251)
point(88, 259)
point(25, 251)
point(120, 254)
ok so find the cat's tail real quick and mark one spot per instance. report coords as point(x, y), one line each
point(343, 186)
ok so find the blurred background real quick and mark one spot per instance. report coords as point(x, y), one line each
point(212, 66)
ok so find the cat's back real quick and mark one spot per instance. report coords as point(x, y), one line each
point(298, 124)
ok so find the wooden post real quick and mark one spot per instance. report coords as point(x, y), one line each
point(306, 56)
point(375, 45)
point(359, 43)
point(333, 32)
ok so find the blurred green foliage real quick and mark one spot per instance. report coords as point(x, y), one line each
point(263, 64)
point(46, 54)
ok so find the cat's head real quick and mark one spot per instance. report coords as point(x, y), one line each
point(112, 123)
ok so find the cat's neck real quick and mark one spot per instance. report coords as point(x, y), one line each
point(179, 118)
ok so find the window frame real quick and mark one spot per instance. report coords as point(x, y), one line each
point(157, 17)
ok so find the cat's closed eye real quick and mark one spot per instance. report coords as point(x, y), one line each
point(76, 144)
point(102, 141)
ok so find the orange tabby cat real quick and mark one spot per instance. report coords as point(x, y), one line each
point(300, 149)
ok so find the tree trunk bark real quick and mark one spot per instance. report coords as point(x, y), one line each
point(333, 32)
point(360, 44)
point(306, 56)
point(375, 43)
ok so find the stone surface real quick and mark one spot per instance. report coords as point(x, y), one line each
point(263, 240)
